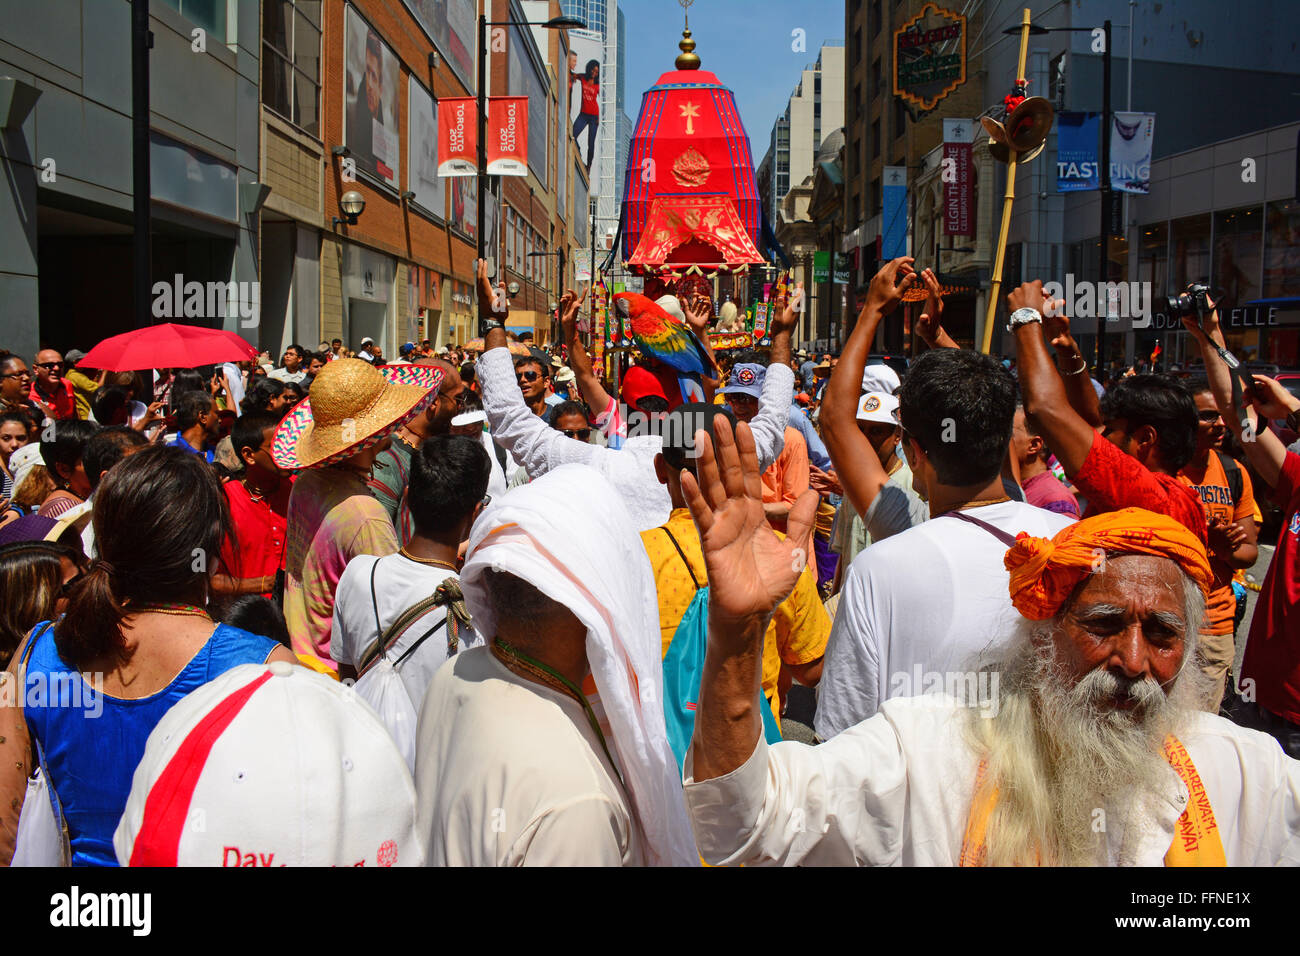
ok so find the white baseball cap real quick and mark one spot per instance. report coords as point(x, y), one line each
point(880, 407)
point(270, 765)
point(880, 378)
point(469, 418)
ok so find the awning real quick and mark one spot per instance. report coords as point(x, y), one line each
point(675, 221)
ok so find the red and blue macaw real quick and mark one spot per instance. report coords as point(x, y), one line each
point(663, 337)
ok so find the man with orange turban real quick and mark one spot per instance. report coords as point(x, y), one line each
point(1082, 745)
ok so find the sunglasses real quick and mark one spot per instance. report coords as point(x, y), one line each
point(582, 434)
point(528, 376)
point(1209, 415)
point(49, 365)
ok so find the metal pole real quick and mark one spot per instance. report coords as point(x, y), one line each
point(481, 179)
point(1010, 195)
point(1104, 312)
point(141, 244)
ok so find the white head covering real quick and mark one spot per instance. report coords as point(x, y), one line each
point(604, 578)
point(23, 460)
point(672, 305)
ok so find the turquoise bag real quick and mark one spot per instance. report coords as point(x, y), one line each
point(684, 668)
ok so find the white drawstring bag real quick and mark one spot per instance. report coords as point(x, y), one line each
point(41, 840)
point(381, 687)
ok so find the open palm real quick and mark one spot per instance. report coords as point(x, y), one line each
point(751, 569)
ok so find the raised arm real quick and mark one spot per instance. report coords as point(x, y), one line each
point(856, 463)
point(929, 325)
point(1264, 450)
point(526, 436)
point(751, 570)
point(768, 426)
point(697, 318)
point(593, 393)
point(1072, 365)
point(1067, 434)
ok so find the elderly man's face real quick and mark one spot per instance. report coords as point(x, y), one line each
point(1128, 618)
point(49, 367)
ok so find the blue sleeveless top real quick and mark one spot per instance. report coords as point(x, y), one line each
point(93, 741)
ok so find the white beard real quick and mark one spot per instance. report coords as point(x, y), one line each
point(1058, 754)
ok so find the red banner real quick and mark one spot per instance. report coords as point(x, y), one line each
point(457, 139)
point(958, 190)
point(507, 136)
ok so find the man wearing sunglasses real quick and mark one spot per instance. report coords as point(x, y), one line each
point(534, 381)
point(50, 388)
point(15, 386)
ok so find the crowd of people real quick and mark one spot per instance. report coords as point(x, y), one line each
point(492, 608)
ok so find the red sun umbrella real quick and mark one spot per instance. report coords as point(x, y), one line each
point(168, 346)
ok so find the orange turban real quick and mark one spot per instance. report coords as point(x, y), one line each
point(1044, 572)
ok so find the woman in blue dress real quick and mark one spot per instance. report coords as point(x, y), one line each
point(135, 638)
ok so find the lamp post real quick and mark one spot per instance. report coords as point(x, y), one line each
point(555, 23)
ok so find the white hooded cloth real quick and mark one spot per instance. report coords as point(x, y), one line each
point(569, 534)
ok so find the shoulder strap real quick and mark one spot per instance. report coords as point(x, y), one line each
point(689, 569)
point(501, 457)
point(998, 533)
point(1231, 471)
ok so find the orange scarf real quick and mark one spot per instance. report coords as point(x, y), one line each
point(1196, 835)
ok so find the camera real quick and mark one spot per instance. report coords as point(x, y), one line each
point(1194, 301)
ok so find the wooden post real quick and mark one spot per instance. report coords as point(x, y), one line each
point(998, 260)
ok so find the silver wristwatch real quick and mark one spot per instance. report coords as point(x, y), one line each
point(1023, 317)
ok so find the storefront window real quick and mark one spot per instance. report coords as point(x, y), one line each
point(1189, 251)
point(1282, 249)
point(1238, 240)
point(1153, 257)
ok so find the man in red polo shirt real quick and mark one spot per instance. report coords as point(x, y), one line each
point(254, 552)
point(50, 390)
point(1147, 424)
point(1270, 670)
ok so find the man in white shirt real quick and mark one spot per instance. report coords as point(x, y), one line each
point(449, 476)
point(1089, 717)
point(366, 353)
point(539, 448)
point(516, 763)
point(924, 600)
point(294, 365)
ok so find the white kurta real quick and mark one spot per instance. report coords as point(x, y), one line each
point(508, 772)
point(896, 790)
point(540, 448)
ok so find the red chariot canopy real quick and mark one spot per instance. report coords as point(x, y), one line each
point(690, 197)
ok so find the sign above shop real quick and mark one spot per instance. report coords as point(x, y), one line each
point(929, 56)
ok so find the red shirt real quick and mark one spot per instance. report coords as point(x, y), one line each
point(64, 401)
point(1272, 658)
point(1111, 479)
point(257, 545)
point(590, 95)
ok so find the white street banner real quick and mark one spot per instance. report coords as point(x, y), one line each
point(1131, 136)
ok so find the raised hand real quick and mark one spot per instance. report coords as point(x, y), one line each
point(751, 570)
point(491, 301)
point(697, 314)
point(887, 287)
point(930, 323)
point(1271, 399)
point(1056, 325)
point(570, 303)
point(1028, 296)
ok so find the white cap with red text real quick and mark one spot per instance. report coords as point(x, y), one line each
point(270, 765)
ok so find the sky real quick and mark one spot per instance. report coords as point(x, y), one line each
point(747, 43)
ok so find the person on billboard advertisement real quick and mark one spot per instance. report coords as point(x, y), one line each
point(589, 118)
point(371, 132)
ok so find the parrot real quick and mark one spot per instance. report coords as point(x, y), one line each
point(662, 337)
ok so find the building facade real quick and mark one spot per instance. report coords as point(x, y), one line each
point(66, 218)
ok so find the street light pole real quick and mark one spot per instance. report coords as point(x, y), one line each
point(141, 188)
point(1104, 313)
point(480, 102)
